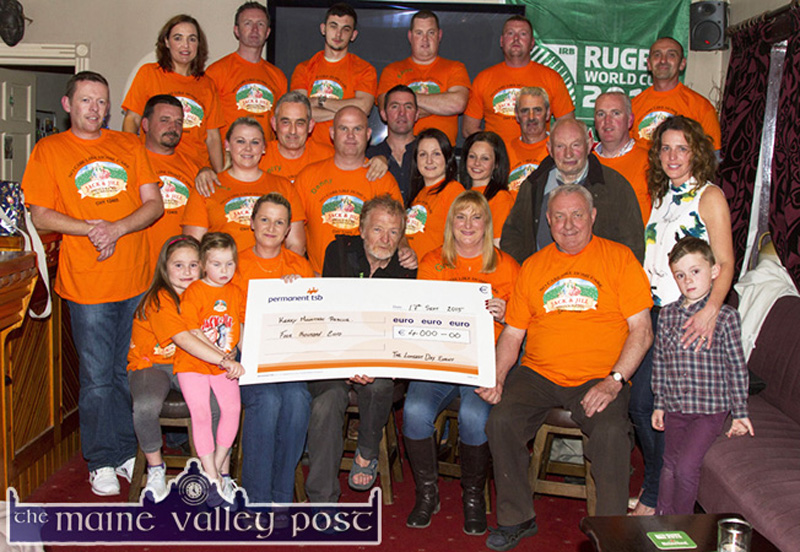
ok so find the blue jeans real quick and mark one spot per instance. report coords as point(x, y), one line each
point(426, 399)
point(641, 410)
point(273, 438)
point(102, 336)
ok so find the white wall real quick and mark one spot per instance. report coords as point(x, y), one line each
point(122, 32)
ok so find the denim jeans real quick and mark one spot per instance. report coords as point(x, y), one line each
point(641, 410)
point(426, 399)
point(273, 438)
point(102, 336)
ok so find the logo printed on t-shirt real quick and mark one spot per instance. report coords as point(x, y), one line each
point(518, 175)
point(570, 294)
point(650, 123)
point(342, 211)
point(425, 87)
point(174, 193)
point(101, 179)
point(504, 101)
point(192, 112)
point(239, 209)
point(165, 352)
point(218, 330)
point(416, 217)
point(220, 305)
point(254, 98)
point(327, 88)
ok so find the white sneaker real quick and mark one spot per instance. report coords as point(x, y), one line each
point(229, 487)
point(157, 481)
point(104, 481)
point(125, 471)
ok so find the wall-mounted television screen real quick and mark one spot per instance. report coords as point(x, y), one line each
point(471, 35)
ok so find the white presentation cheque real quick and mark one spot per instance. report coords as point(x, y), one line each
point(315, 328)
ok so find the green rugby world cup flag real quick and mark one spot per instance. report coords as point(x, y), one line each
point(600, 45)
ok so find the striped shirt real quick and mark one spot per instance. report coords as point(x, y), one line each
point(705, 382)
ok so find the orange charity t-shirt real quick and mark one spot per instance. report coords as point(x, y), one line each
point(230, 208)
point(87, 180)
point(253, 267)
point(332, 200)
point(500, 205)
point(247, 89)
point(427, 215)
point(434, 78)
point(633, 166)
point(273, 162)
point(575, 309)
point(494, 95)
point(151, 339)
point(502, 279)
point(650, 108)
point(198, 96)
point(523, 160)
point(176, 174)
point(216, 311)
point(340, 80)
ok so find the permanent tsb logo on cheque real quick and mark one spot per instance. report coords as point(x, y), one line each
point(194, 513)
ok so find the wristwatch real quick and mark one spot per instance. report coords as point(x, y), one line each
point(616, 376)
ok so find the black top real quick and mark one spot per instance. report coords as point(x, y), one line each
point(345, 258)
point(401, 174)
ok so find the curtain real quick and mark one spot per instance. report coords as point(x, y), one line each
point(741, 121)
point(784, 214)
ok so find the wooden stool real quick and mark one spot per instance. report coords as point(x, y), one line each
point(174, 413)
point(559, 422)
point(448, 451)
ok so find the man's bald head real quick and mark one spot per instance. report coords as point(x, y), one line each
point(350, 134)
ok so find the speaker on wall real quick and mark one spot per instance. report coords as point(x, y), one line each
point(707, 23)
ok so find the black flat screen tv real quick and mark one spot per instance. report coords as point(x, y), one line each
point(471, 35)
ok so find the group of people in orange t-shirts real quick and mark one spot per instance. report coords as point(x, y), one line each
point(258, 177)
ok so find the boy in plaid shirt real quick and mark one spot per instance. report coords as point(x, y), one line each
point(695, 385)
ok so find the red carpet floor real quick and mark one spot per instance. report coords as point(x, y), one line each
point(558, 518)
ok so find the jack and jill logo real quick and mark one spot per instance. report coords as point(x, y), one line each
point(519, 174)
point(327, 88)
point(174, 193)
point(100, 180)
point(342, 211)
point(239, 209)
point(503, 102)
point(254, 98)
point(192, 113)
point(650, 123)
point(416, 217)
point(425, 87)
point(571, 294)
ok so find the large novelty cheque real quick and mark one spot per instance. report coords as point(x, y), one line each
point(330, 328)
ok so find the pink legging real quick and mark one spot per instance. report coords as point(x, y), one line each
point(196, 389)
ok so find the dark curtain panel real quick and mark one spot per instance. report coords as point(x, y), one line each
point(741, 121)
point(784, 209)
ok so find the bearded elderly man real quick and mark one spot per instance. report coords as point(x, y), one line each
point(571, 162)
point(583, 302)
point(371, 254)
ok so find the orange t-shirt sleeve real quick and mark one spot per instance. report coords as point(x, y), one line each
point(38, 181)
point(196, 213)
point(474, 107)
point(500, 205)
point(136, 97)
point(167, 321)
point(634, 279)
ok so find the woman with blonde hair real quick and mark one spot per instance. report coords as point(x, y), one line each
point(467, 255)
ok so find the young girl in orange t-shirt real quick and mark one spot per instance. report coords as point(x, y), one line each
point(214, 311)
point(152, 349)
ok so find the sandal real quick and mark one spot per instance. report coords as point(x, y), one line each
point(371, 470)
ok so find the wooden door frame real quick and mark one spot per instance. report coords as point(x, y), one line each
point(69, 55)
